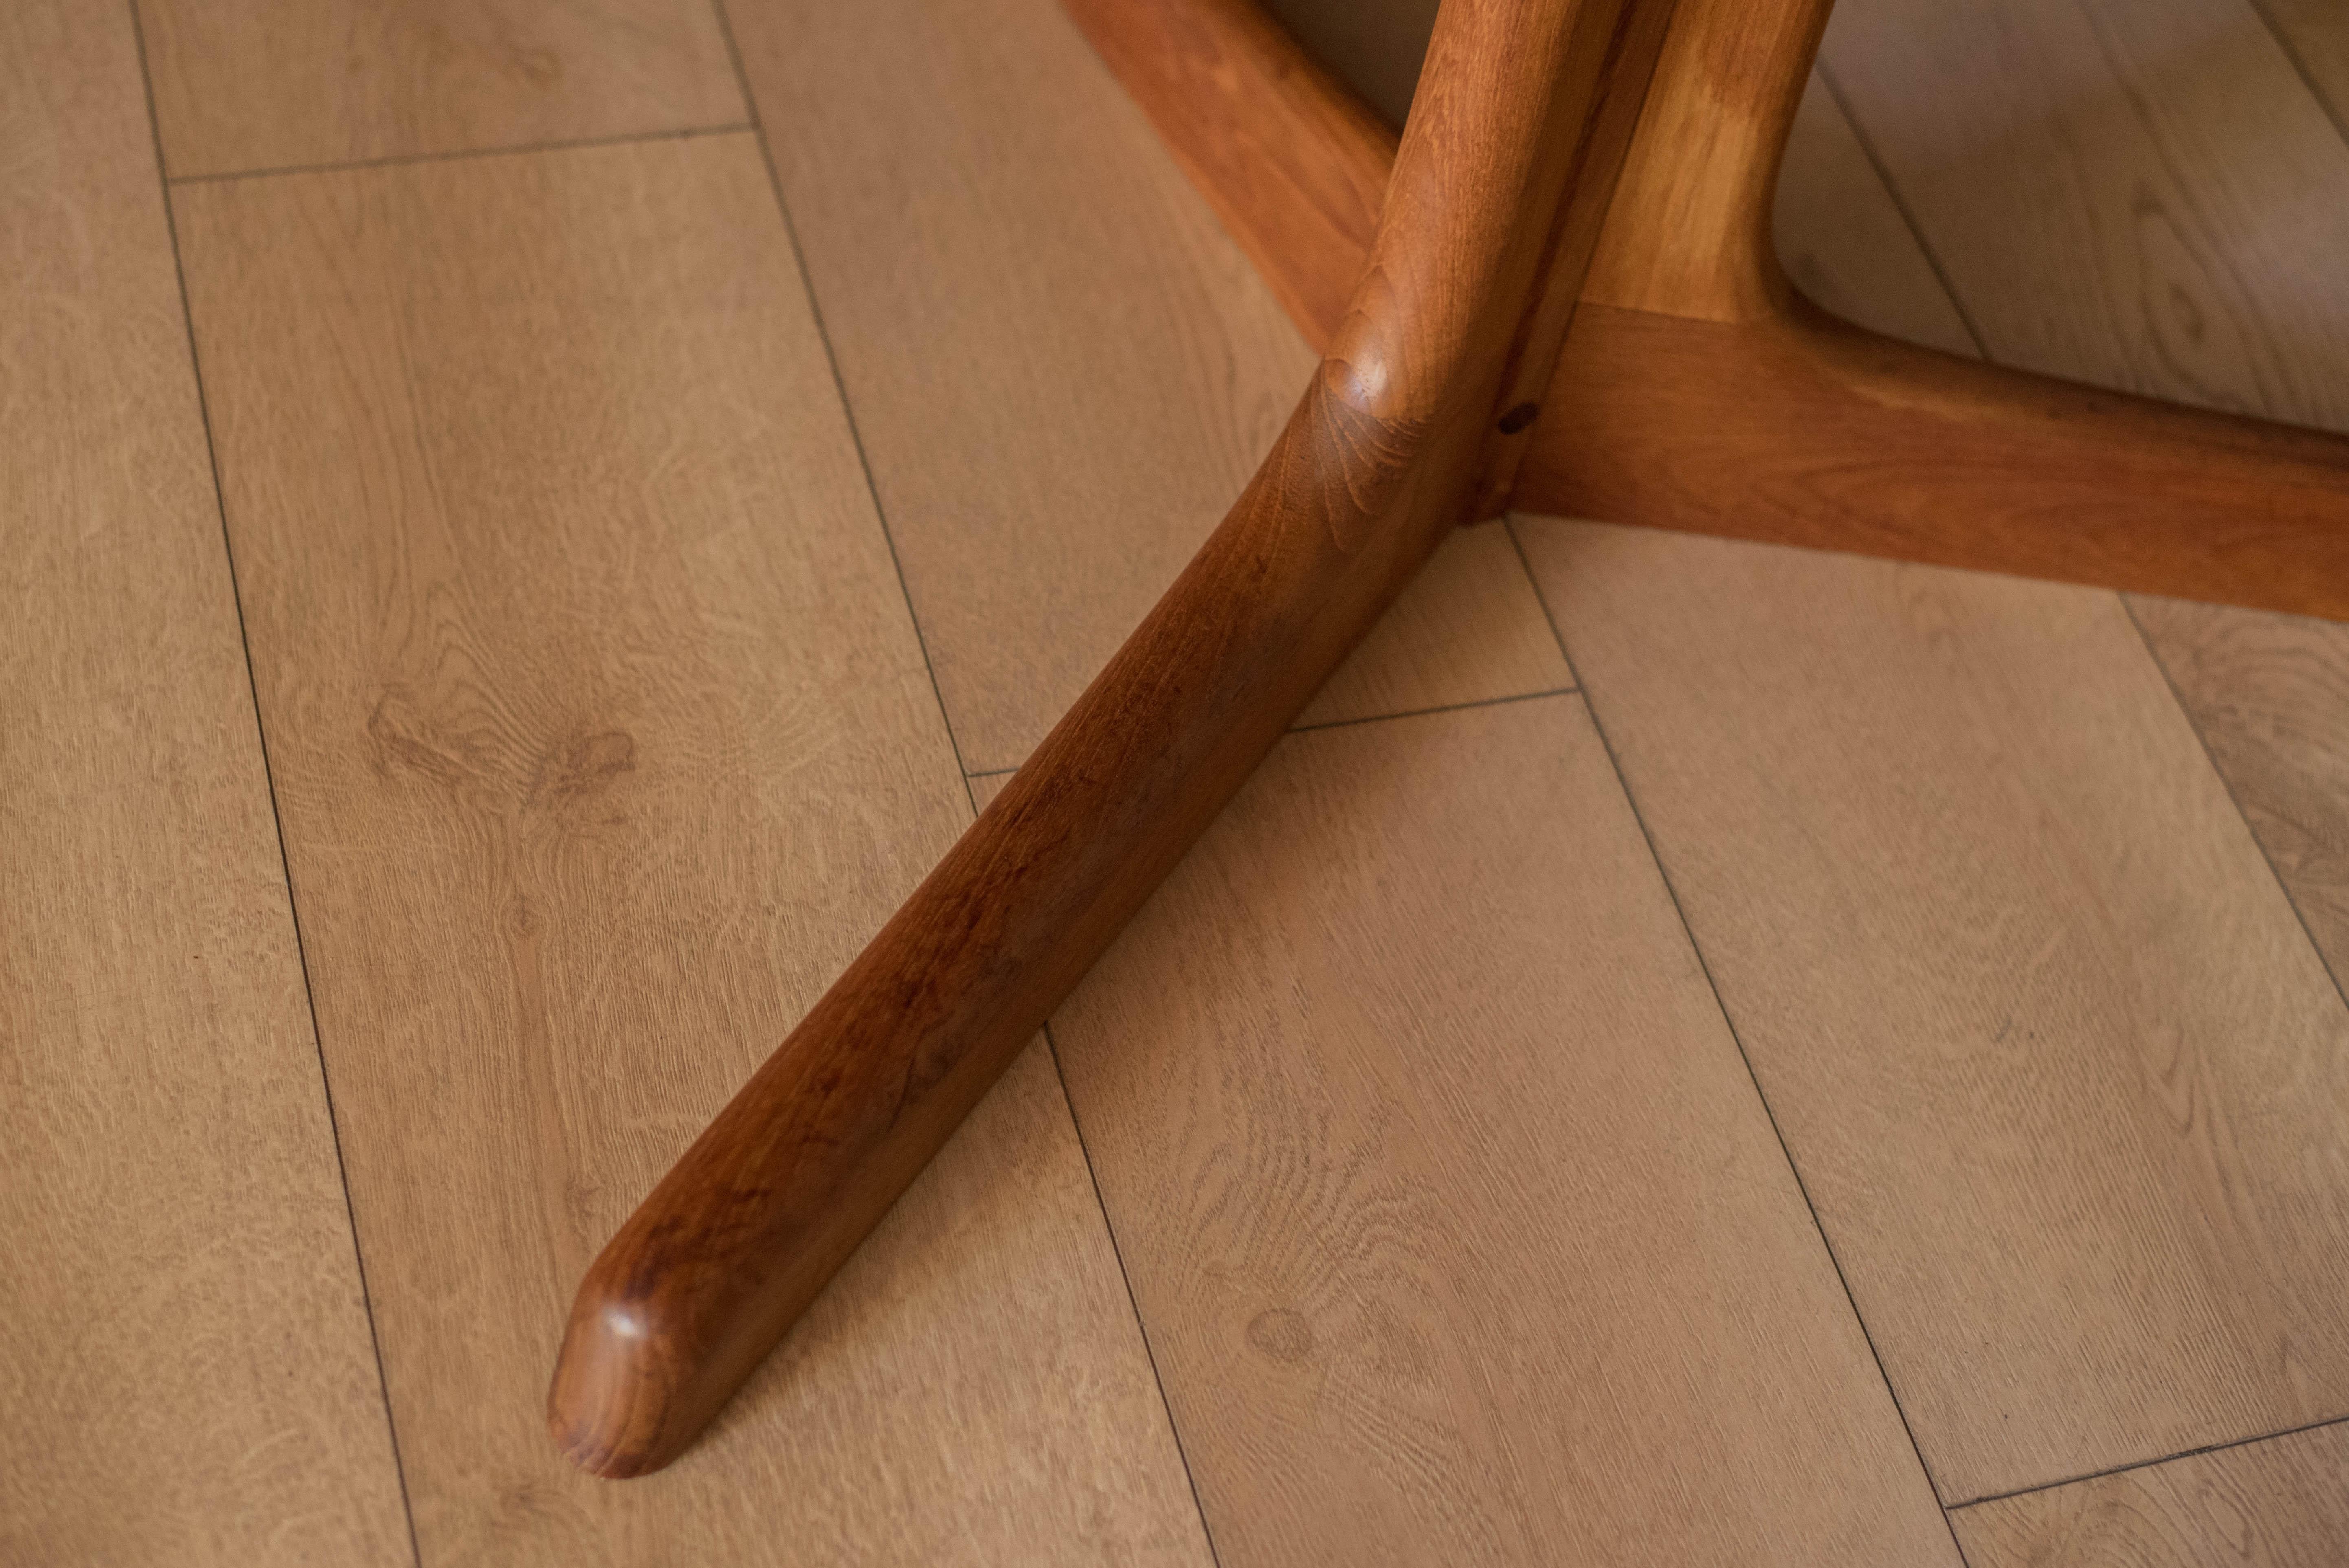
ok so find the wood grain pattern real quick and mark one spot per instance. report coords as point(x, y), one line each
point(1459, 1230)
point(605, 742)
point(2133, 191)
point(2059, 1068)
point(1062, 370)
point(184, 1359)
point(1689, 233)
point(1868, 445)
point(1508, 152)
point(2280, 1504)
point(2269, 694)
point(273, 84)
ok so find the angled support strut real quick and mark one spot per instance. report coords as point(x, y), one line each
point(1698, 391)
point(1503, 176)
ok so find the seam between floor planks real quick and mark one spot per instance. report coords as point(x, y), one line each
point(2235, 797)
point(1301, 728)
point(256, 84)
point(189, 1354)
point(458, 154)
point(1126, 1277)
point(946, 719)
point(1109, 997)
point(1704, 966)
point(839, 387)
point(2149, 1464)
point(1825, 78)
point(276, 819)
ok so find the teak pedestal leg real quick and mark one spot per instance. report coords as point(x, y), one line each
point(1504, 322)
point(1489, 219)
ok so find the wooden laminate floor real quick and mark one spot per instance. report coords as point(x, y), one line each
point(525, 529)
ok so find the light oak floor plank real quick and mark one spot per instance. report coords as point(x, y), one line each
point(2059, 1066)
point(185, 1365)
point(604, 740)
point(2280, 1503)
point(1459, 1230)
point(1062, 370)
point(244, 84)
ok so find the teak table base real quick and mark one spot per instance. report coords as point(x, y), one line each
point(1698, 391)
point(1556, 293)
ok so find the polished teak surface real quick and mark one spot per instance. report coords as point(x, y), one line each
point(983, 217)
